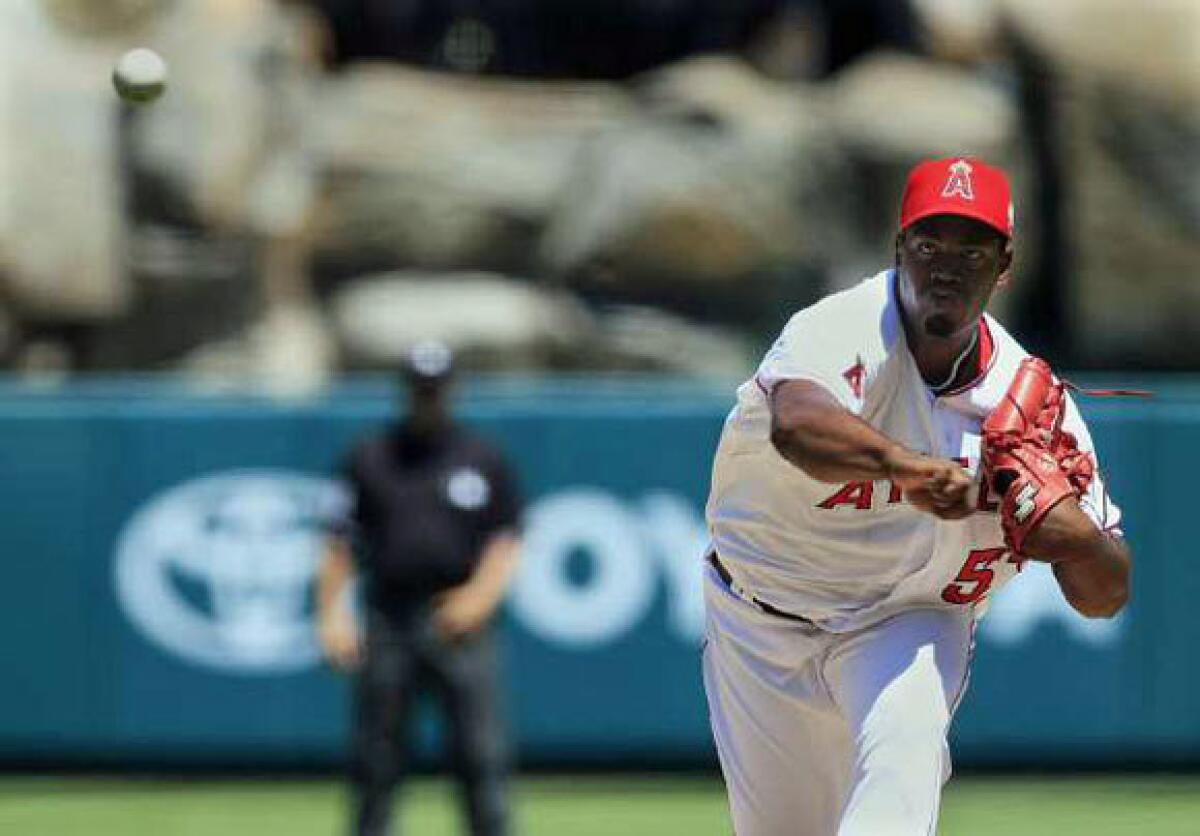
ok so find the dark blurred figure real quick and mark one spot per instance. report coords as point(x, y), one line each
point(433, 535)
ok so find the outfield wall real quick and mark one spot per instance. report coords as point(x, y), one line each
point(161, 546)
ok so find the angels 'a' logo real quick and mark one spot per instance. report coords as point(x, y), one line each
point(959, 181)
point(854, 376)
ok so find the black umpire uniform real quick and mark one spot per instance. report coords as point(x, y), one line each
point(433, 526)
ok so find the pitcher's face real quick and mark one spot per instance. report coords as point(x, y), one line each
point(947, 269)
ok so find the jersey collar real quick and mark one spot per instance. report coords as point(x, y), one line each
point(987, 358)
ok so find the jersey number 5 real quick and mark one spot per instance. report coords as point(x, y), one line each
point(975, 577)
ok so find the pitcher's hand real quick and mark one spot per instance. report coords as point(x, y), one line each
point(935, 486)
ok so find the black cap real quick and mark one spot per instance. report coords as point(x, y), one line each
point(429, 362)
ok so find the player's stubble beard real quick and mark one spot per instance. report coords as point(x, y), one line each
point(934, 325)
point(938, 326)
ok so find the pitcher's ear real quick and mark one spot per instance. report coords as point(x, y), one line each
point(1006, 263)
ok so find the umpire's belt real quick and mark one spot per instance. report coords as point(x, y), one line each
point(738, 590)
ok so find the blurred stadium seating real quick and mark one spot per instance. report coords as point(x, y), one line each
point(643, 175)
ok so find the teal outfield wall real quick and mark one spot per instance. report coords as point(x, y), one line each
point(160, 548)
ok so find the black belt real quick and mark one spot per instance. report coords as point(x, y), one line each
point(727, 579)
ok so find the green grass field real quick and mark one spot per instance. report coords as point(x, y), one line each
point(589, 806)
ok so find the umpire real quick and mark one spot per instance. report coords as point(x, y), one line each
point(433, 534)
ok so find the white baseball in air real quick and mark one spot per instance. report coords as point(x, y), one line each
point(140, 75)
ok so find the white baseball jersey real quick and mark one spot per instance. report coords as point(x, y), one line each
point(847, 556)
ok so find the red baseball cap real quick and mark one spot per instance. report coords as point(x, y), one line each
point(958, 186)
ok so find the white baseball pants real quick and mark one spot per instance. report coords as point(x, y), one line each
point(824, 734)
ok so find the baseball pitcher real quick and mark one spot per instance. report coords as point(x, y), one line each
point(896, 458)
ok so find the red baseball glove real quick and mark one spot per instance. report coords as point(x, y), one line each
point(1028, 458)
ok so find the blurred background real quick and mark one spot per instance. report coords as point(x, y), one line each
point(607, 208)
